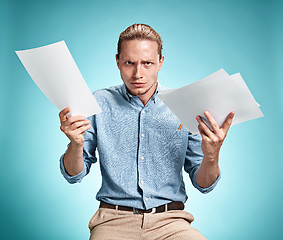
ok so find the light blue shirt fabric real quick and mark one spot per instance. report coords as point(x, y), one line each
point(142, 152)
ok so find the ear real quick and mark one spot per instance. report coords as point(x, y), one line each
point(161, 62)
point(117, 61)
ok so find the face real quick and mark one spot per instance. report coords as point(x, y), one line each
point(139, 65)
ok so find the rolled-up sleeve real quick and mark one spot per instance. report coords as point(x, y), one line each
point(69, 178)
point(89, 157)
point(194, 156)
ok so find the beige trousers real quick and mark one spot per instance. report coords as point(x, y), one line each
point(111, 224)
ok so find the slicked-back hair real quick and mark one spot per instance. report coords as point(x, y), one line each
point(140, 32)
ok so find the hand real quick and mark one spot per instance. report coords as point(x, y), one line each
point(74, 127)
point(212, 140)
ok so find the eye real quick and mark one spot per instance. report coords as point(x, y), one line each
point(148, 63)
point(129, 63)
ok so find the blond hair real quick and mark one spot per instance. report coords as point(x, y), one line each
point(140, 32)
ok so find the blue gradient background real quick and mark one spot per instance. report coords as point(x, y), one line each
point(199, 37)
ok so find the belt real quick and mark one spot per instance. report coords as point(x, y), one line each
point(166, 207)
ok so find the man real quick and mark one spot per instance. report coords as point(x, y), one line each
point(142, 150)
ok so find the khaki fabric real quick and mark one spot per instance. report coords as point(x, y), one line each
point(111, 224)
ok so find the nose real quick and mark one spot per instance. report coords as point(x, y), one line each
point(137, 72)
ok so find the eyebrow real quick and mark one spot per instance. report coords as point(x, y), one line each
point(149, 60)
point(144, 60)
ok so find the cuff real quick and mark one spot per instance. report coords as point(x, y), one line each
point(207, 189)
point(71, 179)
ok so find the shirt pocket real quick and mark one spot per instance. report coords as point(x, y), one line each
point(168, 140)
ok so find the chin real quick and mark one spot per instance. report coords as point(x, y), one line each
point(138, 91)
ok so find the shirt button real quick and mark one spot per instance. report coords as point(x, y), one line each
point(142, 158)
point(142, 135)
point(141, 181)
point(146, 199)
point(143, 112)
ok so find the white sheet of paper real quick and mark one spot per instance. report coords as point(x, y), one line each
point(219, 93)
point(55, 72)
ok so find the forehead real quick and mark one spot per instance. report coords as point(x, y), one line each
point(136, 49)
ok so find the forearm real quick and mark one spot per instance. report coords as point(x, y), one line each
point(73, 159)
point(207, 172)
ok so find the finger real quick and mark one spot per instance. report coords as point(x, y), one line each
point(69, 121)
point(63, 114)
point(78, 124)
point(205, 128)
point(202, 133)
point(226, 125)
point(83, 129)
point(212, 122)
point(201, 130)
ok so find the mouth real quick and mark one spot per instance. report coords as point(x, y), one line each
point(138, 85)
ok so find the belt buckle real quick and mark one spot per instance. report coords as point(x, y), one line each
point(153, 210)
point(135, 211)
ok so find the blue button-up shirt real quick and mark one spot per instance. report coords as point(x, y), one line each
point(142, 151)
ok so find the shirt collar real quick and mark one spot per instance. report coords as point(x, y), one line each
point(129, 96)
